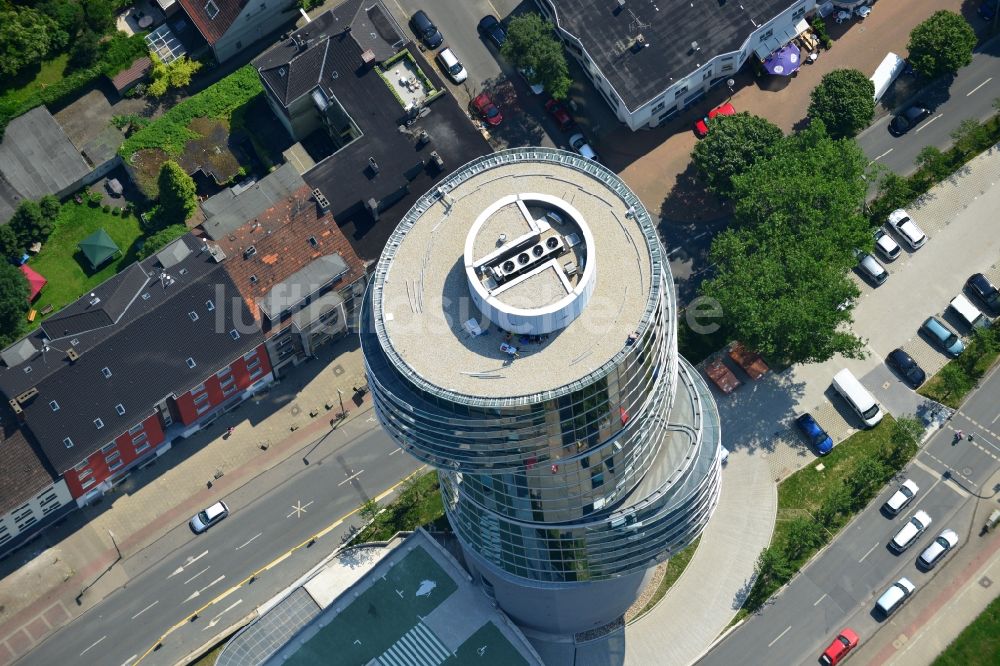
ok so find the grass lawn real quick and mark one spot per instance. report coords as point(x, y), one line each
point(959, 376)
point(978, 644)
point(33, 79)
point(62, 264)
point(418, 504)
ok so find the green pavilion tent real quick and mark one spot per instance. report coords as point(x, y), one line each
point(98, 248)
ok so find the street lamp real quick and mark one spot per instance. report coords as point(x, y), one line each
point(730, 83)
point(340, 396)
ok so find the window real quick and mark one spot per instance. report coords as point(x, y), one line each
point(106, 372)
point(211, 9)
point(659, 107)
point(99, 423)
point(112, 466)
point(313, 241)
point(193, 315)
point(134, 429)
point(136, 441)
point(88, 483)
point(198, 388)
point(201, 398)
point(120, 408)
point(234, 334)
point(767, 35)
point(140, 446)
point(113, 457)
point(229, 391)
point(108, 448)
point(799, 13)
point(283, 341)
point(253, 364)
point(256, 373)
point(253, 279)
point(68, 443)
point(209, 305)
point(225, 371)
point(145, 296)
point(27, 369)
point(227, 381)
point(250, 355)
point(204, 408)
point(707, 75)
point(190, 362)
point(54, 405)
point(82, 467)
point(249, 252)
point(727, 68)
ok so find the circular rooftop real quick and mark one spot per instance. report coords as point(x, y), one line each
point(460, 311)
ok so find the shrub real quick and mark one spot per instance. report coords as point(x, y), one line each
point(819, 27)
point(106, 208)
point(116, 211)
point(161, 239)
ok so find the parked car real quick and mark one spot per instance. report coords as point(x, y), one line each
point(845, 641)
point(491, 28)
point(886, 246)
point(903, 496)
point(818, 437)
point(484, 106)
point(900, 220)
point(529, 77)
point(910, 532)
point(895, 597)
point(968, 312)
point(907, 119)
point(722, 376)
point(450, 64)
point(985, 291)
point(870, 268)
point(907, 367)
point(426, 30)
point(943, 336)
point(581, 146)
point(213, 515)
point(560, 114)
point(701, 125)
point(935, 552)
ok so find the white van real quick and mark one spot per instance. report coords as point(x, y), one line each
point(969, 313)
point(894, 597)
point(886, 73)
point(858, 397)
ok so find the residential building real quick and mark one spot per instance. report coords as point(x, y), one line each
point(650, 61)
point(229, 26)
point(519, 334)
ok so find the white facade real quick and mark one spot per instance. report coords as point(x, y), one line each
point(33, 511)
point(256, 21)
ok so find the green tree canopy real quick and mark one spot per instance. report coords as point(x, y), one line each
point(532, 46)
point(941, 45)
point(29, 224)
point(161, 239)
point(26, 36)
point(9, 246)
point(13, 302)
point(845, 101)
point(177, 195)
point(735, 143)
point(175, 75)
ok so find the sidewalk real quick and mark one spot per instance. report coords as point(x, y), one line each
point(42, 594)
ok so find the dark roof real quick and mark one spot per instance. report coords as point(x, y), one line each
point(135, 72)
point(668, 27)
point(282, 249)
point(234, 206)
point(333, 59)
point(140, 329)
point(98, 247)
point(213, 28)
point(24, 472)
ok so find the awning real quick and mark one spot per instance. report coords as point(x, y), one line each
point(785, 61)
point(35, 281)
point(779, 38)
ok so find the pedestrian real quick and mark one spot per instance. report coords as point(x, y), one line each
point(971, 437)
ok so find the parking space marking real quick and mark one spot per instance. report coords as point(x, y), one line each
point(787, 629)
point(919, 129)
point(979, 86)
point(868, 553)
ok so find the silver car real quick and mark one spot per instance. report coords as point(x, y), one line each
point(214, 514)
point(934, 553)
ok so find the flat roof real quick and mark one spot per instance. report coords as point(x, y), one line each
point(423, 296)
point(668, 28)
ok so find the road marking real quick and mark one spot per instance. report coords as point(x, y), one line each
point(93, 645)
point(882, 155)
point(675, 250)
point(198, 592)
point(249, 542)
point(145, 609)
point(928, 123)
point(979, 86)
point(196, 575)
point(819, 600)
point(130, 660)
point(787, 629)
point(868, 553)
point(395, 451)
point(350, 478)
point(995, 419)
point(927, 468)
point(192, 560)
point(215, 620)
point(298, 509)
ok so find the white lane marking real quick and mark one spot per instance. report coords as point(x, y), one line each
point(145, 609)
point(820, 599)
point(979, 86)
point(924, 126)
point(93, 645)
point(215, 620)
point(787, 629)
point(868, 553)
point(395, 451)
point(299, 508)
point(189, 562)
point(704, 233)
point(197, 592)
point(249, 542)
point(882, 155)
point(995, 419)
point(130, 660)
point(196, 575)
point(349, 479)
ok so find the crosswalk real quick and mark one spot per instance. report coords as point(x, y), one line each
point(417, 647)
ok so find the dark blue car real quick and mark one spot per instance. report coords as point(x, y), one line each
point(816, 435)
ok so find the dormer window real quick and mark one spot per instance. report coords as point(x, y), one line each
point(249, 252)
point(54, 405)
point(27, 369)
point(209, 305)
point(193, 315)
point(234, 334)
point(106, 372)
point(120, 408)
point(145, 296)
point(190, 362)
point(68, 443)
point(99, 423)
point(211, 9)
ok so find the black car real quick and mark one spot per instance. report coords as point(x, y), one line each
point(907, 120)
point(985, 290)
point(907, 367)
point(491, 28)
point(426, 30)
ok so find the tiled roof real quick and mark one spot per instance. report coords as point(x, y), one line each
point(135, 72)
point(23, 473)
point(213, 28)
point(132, 347)
point(282, 247)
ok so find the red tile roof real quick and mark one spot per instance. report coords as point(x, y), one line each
point(280, 236)
point(125, 78)
point(213, 28)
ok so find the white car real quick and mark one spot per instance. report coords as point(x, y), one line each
point(907, 490)
point(894, 597)
point(529, 77)
point(909, 533)
point(209, 517)
point(938, 549)
point(450, 64)
point(581, 146)
point(900, 220)
point(885, 246)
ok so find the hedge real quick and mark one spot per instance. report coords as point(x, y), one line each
point(170, 131)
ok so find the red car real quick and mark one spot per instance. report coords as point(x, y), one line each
point(487, 109)
point(559, 113)
point(701, 126)
point(841, 645)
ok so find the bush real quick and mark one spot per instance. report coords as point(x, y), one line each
point(161, 239)
point(116, 211)
point(819, 27)
point(106, 208)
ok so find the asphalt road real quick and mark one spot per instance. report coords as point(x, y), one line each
point(840, 586)
point(970, 95)
point(341, 475)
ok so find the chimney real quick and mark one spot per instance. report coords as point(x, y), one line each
point(321, 201)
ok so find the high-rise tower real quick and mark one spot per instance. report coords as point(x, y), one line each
point(520, 336)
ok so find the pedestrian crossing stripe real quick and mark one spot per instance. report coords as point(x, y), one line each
point(417, 647)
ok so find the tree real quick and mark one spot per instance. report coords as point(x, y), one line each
point(86, 50)
point(13, 302)
point(771, 571)
point(836, 503)
point(804, 534)
point(533, 48)
point(177, 74)
point(952, 380)
point(29, 224)
point(934, 163)
point(26, 37)
point(100, 14)
point(894, 191)
point(177, 195)
point(971, 137)
point(369, 510)
point(941, 45)
point(845, 101)
point(903, 442)
point(735, 143)
point(865, 479)
point(50, 207)
point(161, 239)
point(10, 247)
point(68, 14)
